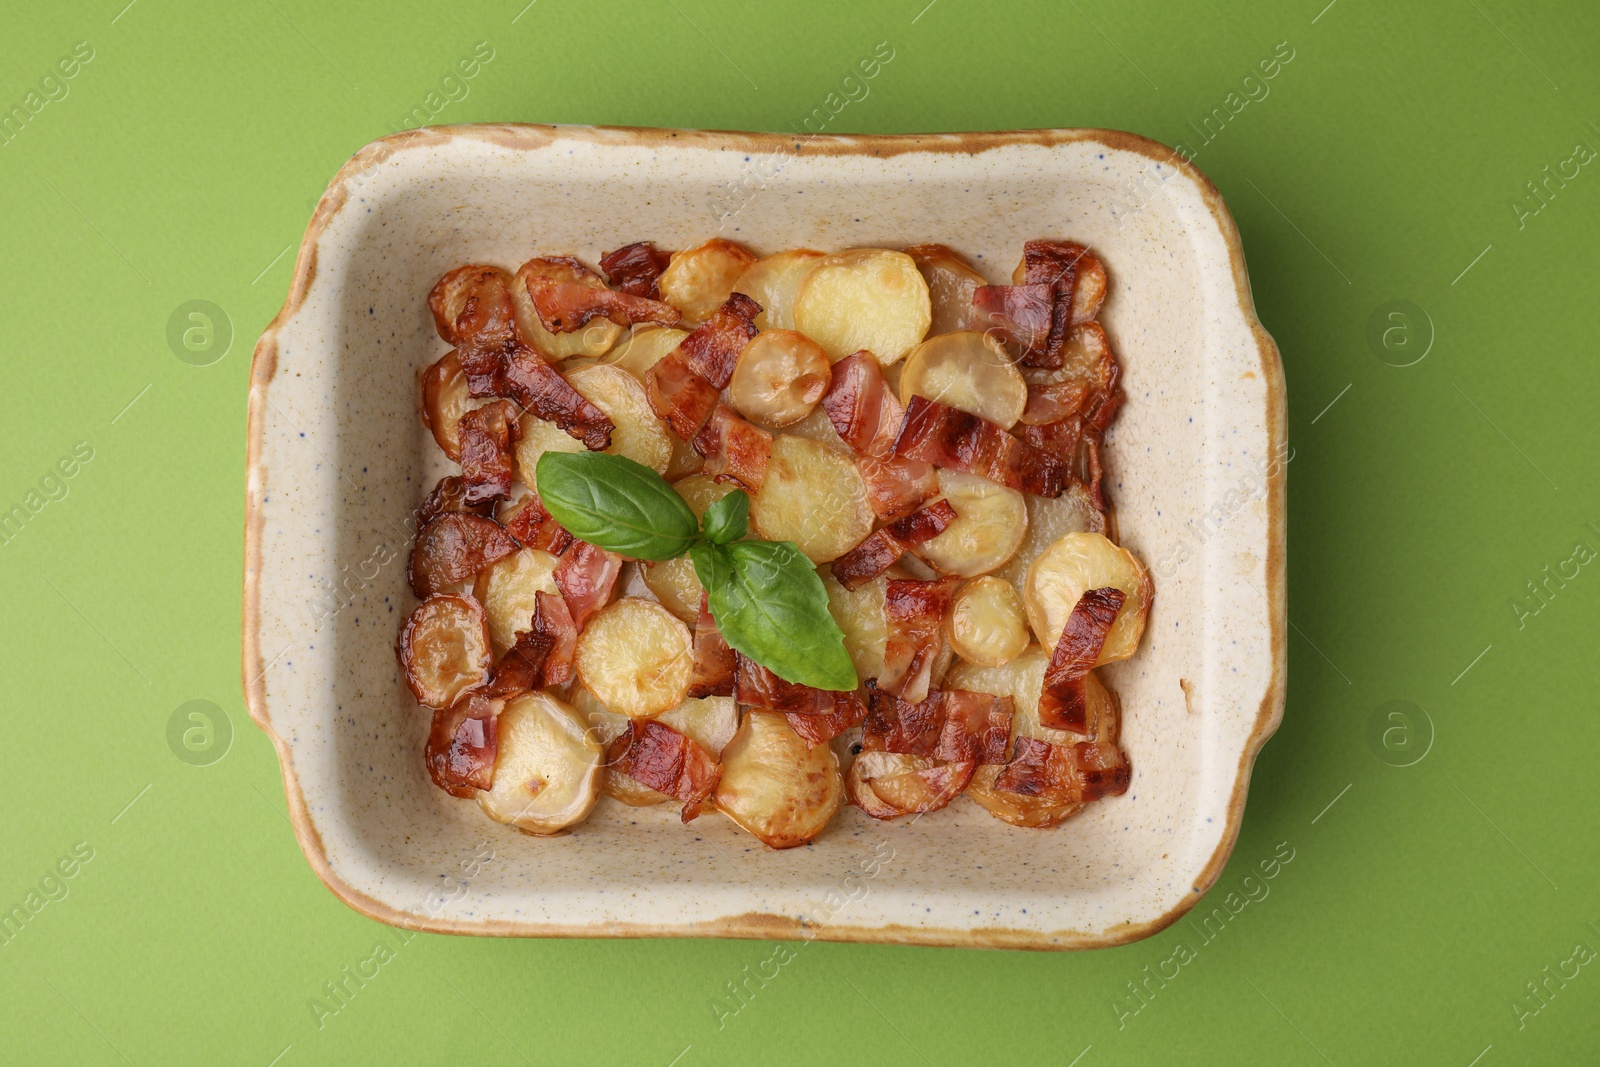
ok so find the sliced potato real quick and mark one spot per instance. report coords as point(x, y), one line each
point(773, 282)
point(604, 728)
point(951, 281)
point(636, 656)
point(986, 624)
point(508, 591)
point(709, 722)
point(887, 785)
point(818, 427)
point(538, 437)
point(779, 378)
point(644, 348)
point(444, 649)
point(547, 769)
point(774, 785)
point(1019, 809)
point(1022, 679)
point(991, 521)
point(444, 400)
point(865, 298)
point(699, 280)
point(859, 613)
point(673, 581)
point(813, 496)
point(969, 371)
point(639, 434)
point(1071, 566)
point(1048, 518)
point(595, 338)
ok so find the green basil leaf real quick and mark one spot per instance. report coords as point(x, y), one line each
point(616, 503)
point(728, 519)
point(771, 606)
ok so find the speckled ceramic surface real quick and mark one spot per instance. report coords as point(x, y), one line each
point(338, 460)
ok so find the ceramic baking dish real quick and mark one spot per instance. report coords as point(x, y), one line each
point(338, 460)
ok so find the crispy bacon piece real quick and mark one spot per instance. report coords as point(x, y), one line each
point(1104, 769)
point(1063, 702)
point(473, 304)
point(862, 407)
point(816, 730)
point(566, 295)
point(452, 548)
point(948, 437)
point(714, 661)
point(736, 450)
point(914, 611)
point(897, 487)
point(448, 496)
point(883, 548)
point(586, 575)
point(755, 685)
point(713, 348)
point(636, 268)
point(953, 725)
point(543, 653)
point(679, 395)
point(535, 527)
point(462, 745)
point(1019, 314)
point(525, 377)
point(1078, 773)
point(487, 434)
point(654, 754)
point(1076, 445)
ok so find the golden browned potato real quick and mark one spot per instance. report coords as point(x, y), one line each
point(991, 521)
point(1048, 518)
point(636, 656)
point(776, 786)
point(700, 280)
point(673, 581)
point(969, 371)
point(605, 727)
point(887, 785)
point(536, 437)
point(546, 769)
point(444, 649)
point(709, 722)
point(860, 614)
point(508, 591)
point(986, 624)
point(773, 282)
point(1074, 564)
point(951, 281)
point(644, 348)
point(444, 401)
point(813, 496)
point(640, 434)
point(866, 298)
point(595, 338)
point(779, 378)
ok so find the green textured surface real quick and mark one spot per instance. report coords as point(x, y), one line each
point(1385, 159)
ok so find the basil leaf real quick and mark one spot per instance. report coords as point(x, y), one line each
point(615, 503)
point(728, 519)
point(771, 606)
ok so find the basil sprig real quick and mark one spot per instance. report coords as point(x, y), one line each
point(766, 596)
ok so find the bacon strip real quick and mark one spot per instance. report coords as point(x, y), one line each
point(954, 725)
point(543, 653)
point(862, 407)
point(636, 268)
point(525, 377)
point(679, 395)
point(462, 745)
point(586, 575)
point(1104, 768)
point(882, 549)
point(566, 295)
point(914, 611)
point(820, 729)
point(452, 548)
point(487, 434)
point(534, 527)
point(1079, 773)
point(897, 487)
point(757, 686)
point(948, 437)
point(1063, 702)
point(714, 662)
point(713, 348)
point(448, 496)
point(736, 450)
point(1019, 314)
point(654, 754)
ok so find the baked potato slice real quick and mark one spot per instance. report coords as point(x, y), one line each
point(779, 378)
point(951, 280)
point(773, 282)
point(859, 613)
point(699, 280)
point(508, 590)
point(969, 371)
point(1071, 566)
point(594, 338)
point(547, 768)
point(444, 650)
point(1049, 518)
point(774, 785)
point(986, 624)
point(991, 522)
point(887, 785)
point(644, 348)
point(865, 298)
point(636, 656)
point(638, 434)
point(444, 400)
point(814, 496)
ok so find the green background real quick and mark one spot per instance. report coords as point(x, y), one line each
point(1385, 163)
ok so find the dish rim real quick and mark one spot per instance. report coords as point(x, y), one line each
point(762, 925)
